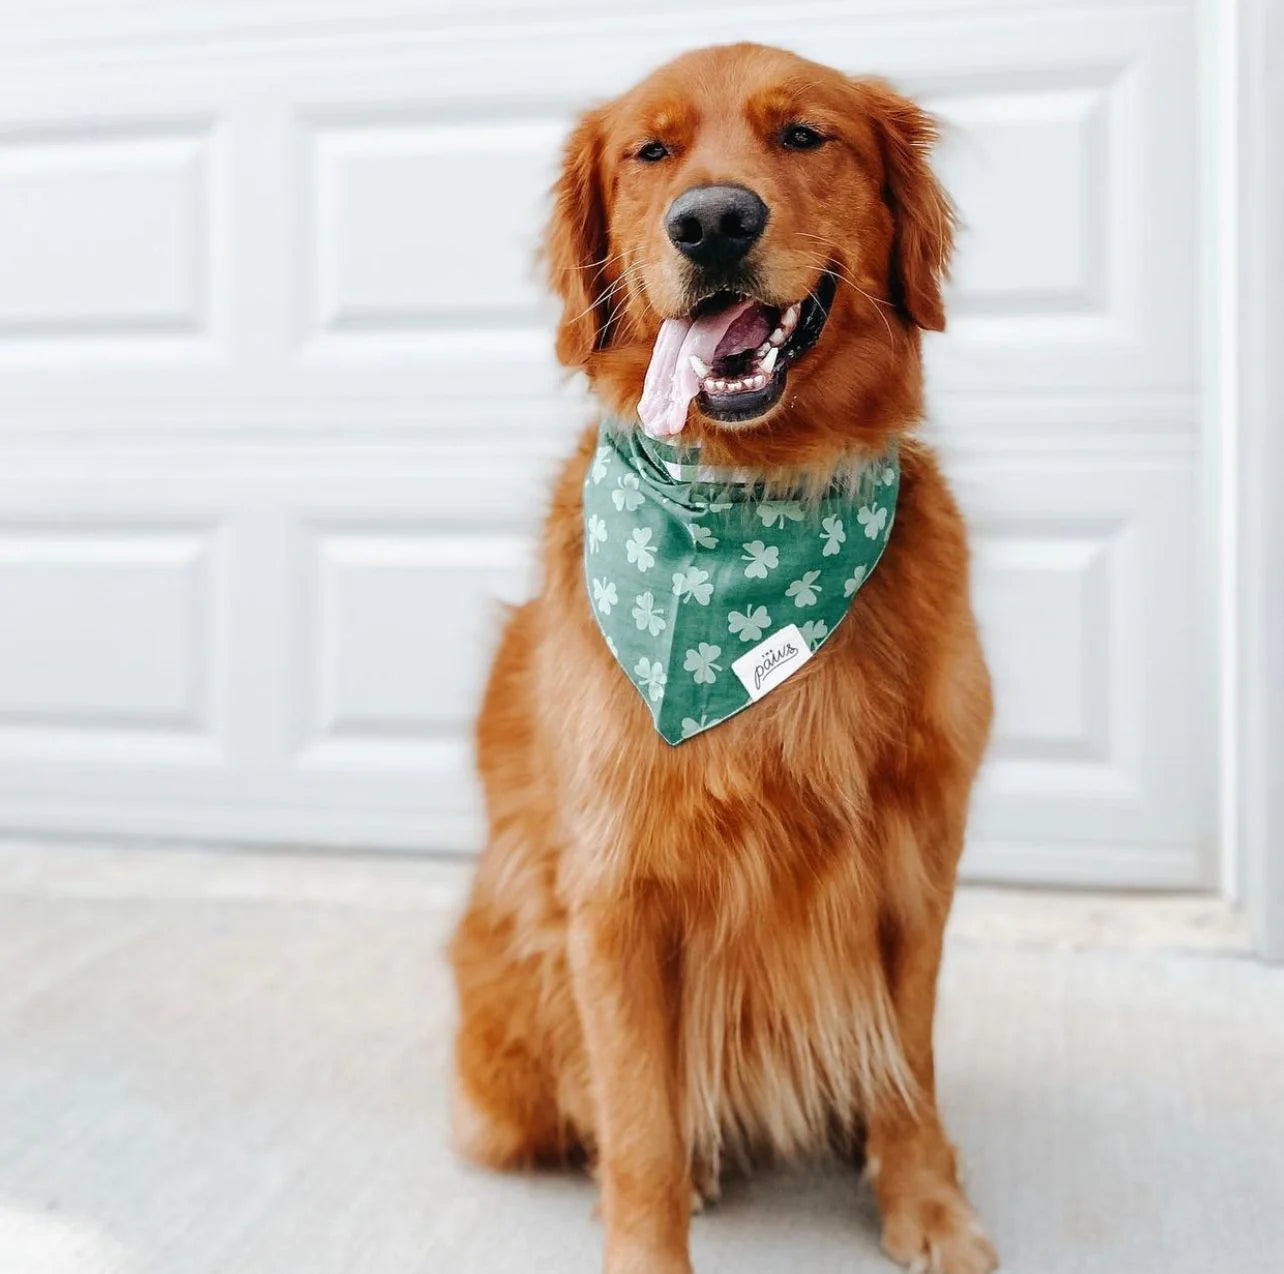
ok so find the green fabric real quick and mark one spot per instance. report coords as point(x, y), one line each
point(690, 568)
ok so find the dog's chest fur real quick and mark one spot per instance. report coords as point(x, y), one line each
point(786, 1034)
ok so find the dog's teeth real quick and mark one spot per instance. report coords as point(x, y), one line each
point(735, 386)
point(776, 338)
point(762, 349)
point(758, 382)
point(790, 318)
point(768, 360)
point(719, 385)
point(700, 369)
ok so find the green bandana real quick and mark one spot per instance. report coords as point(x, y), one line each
point(708, 594)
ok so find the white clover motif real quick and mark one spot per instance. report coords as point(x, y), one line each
point(856, 580)
point(647, 615)
point(639, 549)
point(814, 631)
point(872, 519)
point(778, 512)
point(651, 677)
point(699, 663)
point(833, 534)
point(749, 625)
point(693, 584)
point(604, 595)
point(690, 726)
point(704, 537)
point(596, 532)
point(626, 497)
point(805, 591)
point(761, 558)
point(601, 462)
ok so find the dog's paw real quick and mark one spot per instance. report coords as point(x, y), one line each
point(938, 1235)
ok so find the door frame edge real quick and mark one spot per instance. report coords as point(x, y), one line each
point(1254, 593)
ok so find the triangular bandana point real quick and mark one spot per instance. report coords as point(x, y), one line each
point(710, 596)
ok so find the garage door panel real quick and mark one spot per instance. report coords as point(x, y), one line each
point(109, 647)
point(383, 671)
point(411, 232)
point(1043, 602)
point(105, 242)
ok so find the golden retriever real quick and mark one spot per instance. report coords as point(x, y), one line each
point(675, 956)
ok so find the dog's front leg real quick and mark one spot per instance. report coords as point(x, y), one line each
point(927, 1222)
point(623, 979)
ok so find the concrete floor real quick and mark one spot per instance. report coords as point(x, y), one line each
point(235, 1063)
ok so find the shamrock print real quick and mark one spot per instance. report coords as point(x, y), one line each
point(805, 591)
point(873, 520)
point(649, 564)
point(814, 631)
point(693, 583)
point(601, 462)
point(700, 663)
point(627, 495)
point(750, 624)
point(604, 595)
point(647, 615)
point(778, 512)
point(857, 579)
point(639, 548)
point(833, 535)
point(761, 559)
point(650, 675)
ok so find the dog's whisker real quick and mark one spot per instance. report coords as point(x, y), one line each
point(621, 283)
point(599, 264)
point(844, 276)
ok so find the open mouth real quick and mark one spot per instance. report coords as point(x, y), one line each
point(732, 355)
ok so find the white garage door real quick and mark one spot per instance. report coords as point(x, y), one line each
point(274, 373)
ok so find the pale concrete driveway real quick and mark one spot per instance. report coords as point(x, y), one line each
point(235, 1064)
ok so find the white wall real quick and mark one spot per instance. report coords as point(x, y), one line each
point(262, 394)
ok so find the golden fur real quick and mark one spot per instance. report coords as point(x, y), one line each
point(675, 954)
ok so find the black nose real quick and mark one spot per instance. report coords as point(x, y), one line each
point(715, 225)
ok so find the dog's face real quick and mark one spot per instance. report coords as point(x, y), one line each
point(745, 223)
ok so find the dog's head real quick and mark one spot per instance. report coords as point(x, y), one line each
point(762, 233)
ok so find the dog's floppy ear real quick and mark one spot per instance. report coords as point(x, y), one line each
point(922, 214)
point(575, 244)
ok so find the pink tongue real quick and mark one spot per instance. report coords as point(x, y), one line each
point(671, 382)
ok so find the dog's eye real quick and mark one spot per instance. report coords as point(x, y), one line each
point(652, 152)
point(800, 137)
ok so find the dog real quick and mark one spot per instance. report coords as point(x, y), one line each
point(682, 954)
